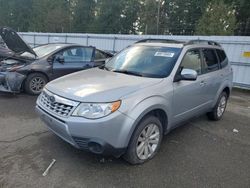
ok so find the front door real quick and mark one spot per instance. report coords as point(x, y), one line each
point(189, 96)
point(74, 59)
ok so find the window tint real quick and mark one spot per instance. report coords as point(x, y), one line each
point(192, 60)
point(100, 55)
point(77, 54)
point(210, 60)
point(222, 57)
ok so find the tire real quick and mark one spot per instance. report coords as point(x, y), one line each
point(220, 107)
point(34, 83)
point(132, 154)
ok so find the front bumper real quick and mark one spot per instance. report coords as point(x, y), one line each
point(105, 136)
point(11, 81)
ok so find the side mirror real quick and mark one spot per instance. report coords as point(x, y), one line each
point(188, 74)
point(60, 59)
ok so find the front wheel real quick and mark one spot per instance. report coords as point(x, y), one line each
point(145, 141)
point(220, 107)
point(34, 83)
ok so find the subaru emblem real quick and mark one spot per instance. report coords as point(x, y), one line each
point(52, 99)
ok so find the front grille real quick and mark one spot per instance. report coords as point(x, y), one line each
point(81, 142)
point(57, 105)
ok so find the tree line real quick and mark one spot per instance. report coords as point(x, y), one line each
point(174, 17)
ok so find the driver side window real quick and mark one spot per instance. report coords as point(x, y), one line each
point(192, 60)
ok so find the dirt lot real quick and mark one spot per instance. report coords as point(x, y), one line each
point(200, 154)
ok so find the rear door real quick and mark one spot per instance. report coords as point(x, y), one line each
point(75, 59)
point(226, 71)
point(100, 57)
point(212, 73)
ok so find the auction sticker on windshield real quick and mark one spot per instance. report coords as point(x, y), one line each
point(164, 54)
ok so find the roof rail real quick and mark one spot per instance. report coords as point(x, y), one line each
point(160, 40)
point(209, 42)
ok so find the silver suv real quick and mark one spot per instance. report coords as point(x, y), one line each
point(125, 107)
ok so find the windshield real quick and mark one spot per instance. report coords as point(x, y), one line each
point(147, 61)
point(43, 50)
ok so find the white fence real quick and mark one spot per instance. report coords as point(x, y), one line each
point(235, 46)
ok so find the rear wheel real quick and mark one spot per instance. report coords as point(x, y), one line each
point(220, 107)
point(145, 141)
point(34, 83)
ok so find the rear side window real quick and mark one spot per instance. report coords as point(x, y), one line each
point(222, 57)
point(100, 55)
point(77, 54)
point(210, 60)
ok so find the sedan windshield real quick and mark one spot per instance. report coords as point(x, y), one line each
point(147, 61)
point(43, 50)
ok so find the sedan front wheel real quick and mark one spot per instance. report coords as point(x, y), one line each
point(34, 83)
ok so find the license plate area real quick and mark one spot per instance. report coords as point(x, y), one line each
point(57, 127)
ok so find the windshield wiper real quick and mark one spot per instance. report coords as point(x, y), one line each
point(128, 72)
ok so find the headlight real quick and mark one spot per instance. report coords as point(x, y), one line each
point(96, 110)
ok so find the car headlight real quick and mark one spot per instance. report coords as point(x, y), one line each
point(96, 110)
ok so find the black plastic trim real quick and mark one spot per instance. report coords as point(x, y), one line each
point(106, 149)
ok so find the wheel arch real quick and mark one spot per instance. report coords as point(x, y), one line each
point(33, 72)
point(156, 111)
point(227, 90)
point(40, 72)
point(225, 87)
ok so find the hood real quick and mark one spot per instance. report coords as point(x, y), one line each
point(96, 85)
point(14, 42)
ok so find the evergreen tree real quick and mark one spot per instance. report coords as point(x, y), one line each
point(50, 16)
point(219, 19)
point(182, 16)
point(15, 14)
point(148, 16)
point(116, 16)
point(83, 16)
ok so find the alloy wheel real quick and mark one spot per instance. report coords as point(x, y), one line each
point(148, 141)
point(222, 106)
point(37, 84)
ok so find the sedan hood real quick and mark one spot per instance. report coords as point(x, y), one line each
point(96, 85)
point(14, 42)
